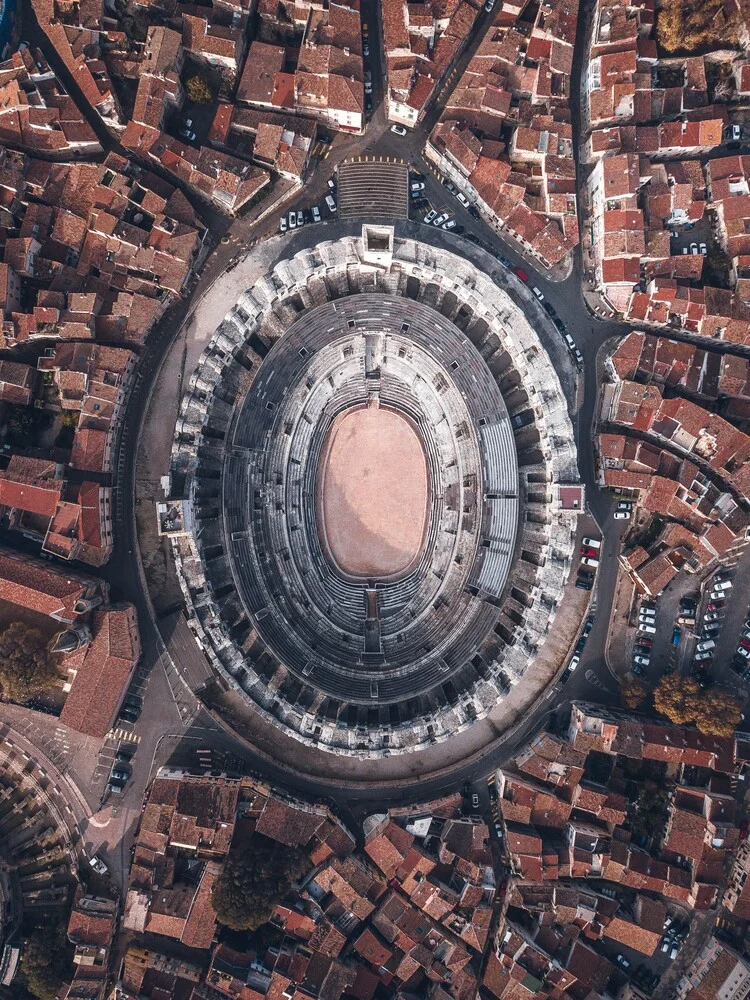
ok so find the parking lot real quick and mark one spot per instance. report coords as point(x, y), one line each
point(694, 238)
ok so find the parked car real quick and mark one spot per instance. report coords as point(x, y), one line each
point(584, 584)
point(712, 616)
point(703, 249)
point(441, 219)
point(589, 552)
point(718, 606)
point(431, 216)
point(520, 273)
point(744, 653)
point(647, 628)
point(622, 515)
point(331, 203)
point(642, 660)
point(588, 561)
point(474, 801)
point(416, 186)
point(292, 220)
point(588, 627)
point(676, 635)
point(538, 293)
point(645, 641)
point(624, 505)
point(300, 219)
point(591, 543)
point(315, 213)
point(704, 655)
point(331, 184)
point(398, 130)
point(704, 647)
point(282, 224)
point(98, 865)
point(736, 133)
point(720, 584)
point(366, 50)
point(694, 249)
point(641, 649)
point(463, 199)
point(450, 224)
point(489, 5)
point(574, 661)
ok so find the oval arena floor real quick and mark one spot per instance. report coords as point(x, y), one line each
point(373, 494)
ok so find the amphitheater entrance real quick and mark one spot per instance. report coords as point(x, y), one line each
point(372, 494)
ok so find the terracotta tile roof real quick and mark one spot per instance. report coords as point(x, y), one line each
point(104, 671)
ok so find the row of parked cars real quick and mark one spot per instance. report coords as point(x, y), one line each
point(589, 562)
point(711, 625)
point(644, 637)
point(576, 657)
point(296, 218)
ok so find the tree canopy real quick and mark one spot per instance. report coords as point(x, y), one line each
point(686, 26)
point(25, 666)
point(633, 693)
point(256, 877)
point(714, 712)
point(198, 90)
point(45, 961)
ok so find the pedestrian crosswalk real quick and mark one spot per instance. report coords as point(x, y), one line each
point(123, 735)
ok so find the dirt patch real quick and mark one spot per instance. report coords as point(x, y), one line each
point(373, 494)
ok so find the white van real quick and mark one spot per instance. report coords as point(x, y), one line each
point(703, 647)
point(645, 627)
point(723, 585)
point(591, 543)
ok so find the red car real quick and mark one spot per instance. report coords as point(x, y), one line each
point(745, 643)
point(643, 640)
point(715, 606)
point(590, 553)
point(521, 273)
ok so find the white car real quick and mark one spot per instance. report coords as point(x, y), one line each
point(368, 86)
point(292, 220)
point(463, 199)
point(450, 224)
point(642, 661)
point(694, 249)
point(622, 515)
point(430, 217)
point(700, 657)
point(398, 130)
point(416, 186)
point(441, 219)
point(591, 543)
point(98, 865)
point(538, 294)
point(625, 505)
point(712, 616)
point(574, 661)
point(703, 249)
point(489, 5)
point(588, 561)
point(331, 183)
point(282, 224)
point(315, 213)
point(741, 651)
point(331, 203)
point(300, 219)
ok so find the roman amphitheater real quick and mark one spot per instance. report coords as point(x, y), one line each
point(370, 458)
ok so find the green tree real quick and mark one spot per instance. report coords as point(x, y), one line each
point(256, 877)
point(45, 961)
point(25, 666)
point(198, 90)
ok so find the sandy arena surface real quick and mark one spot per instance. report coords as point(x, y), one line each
point(373, 494)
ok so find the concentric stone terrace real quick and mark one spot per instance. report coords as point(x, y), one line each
point(367, 553)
